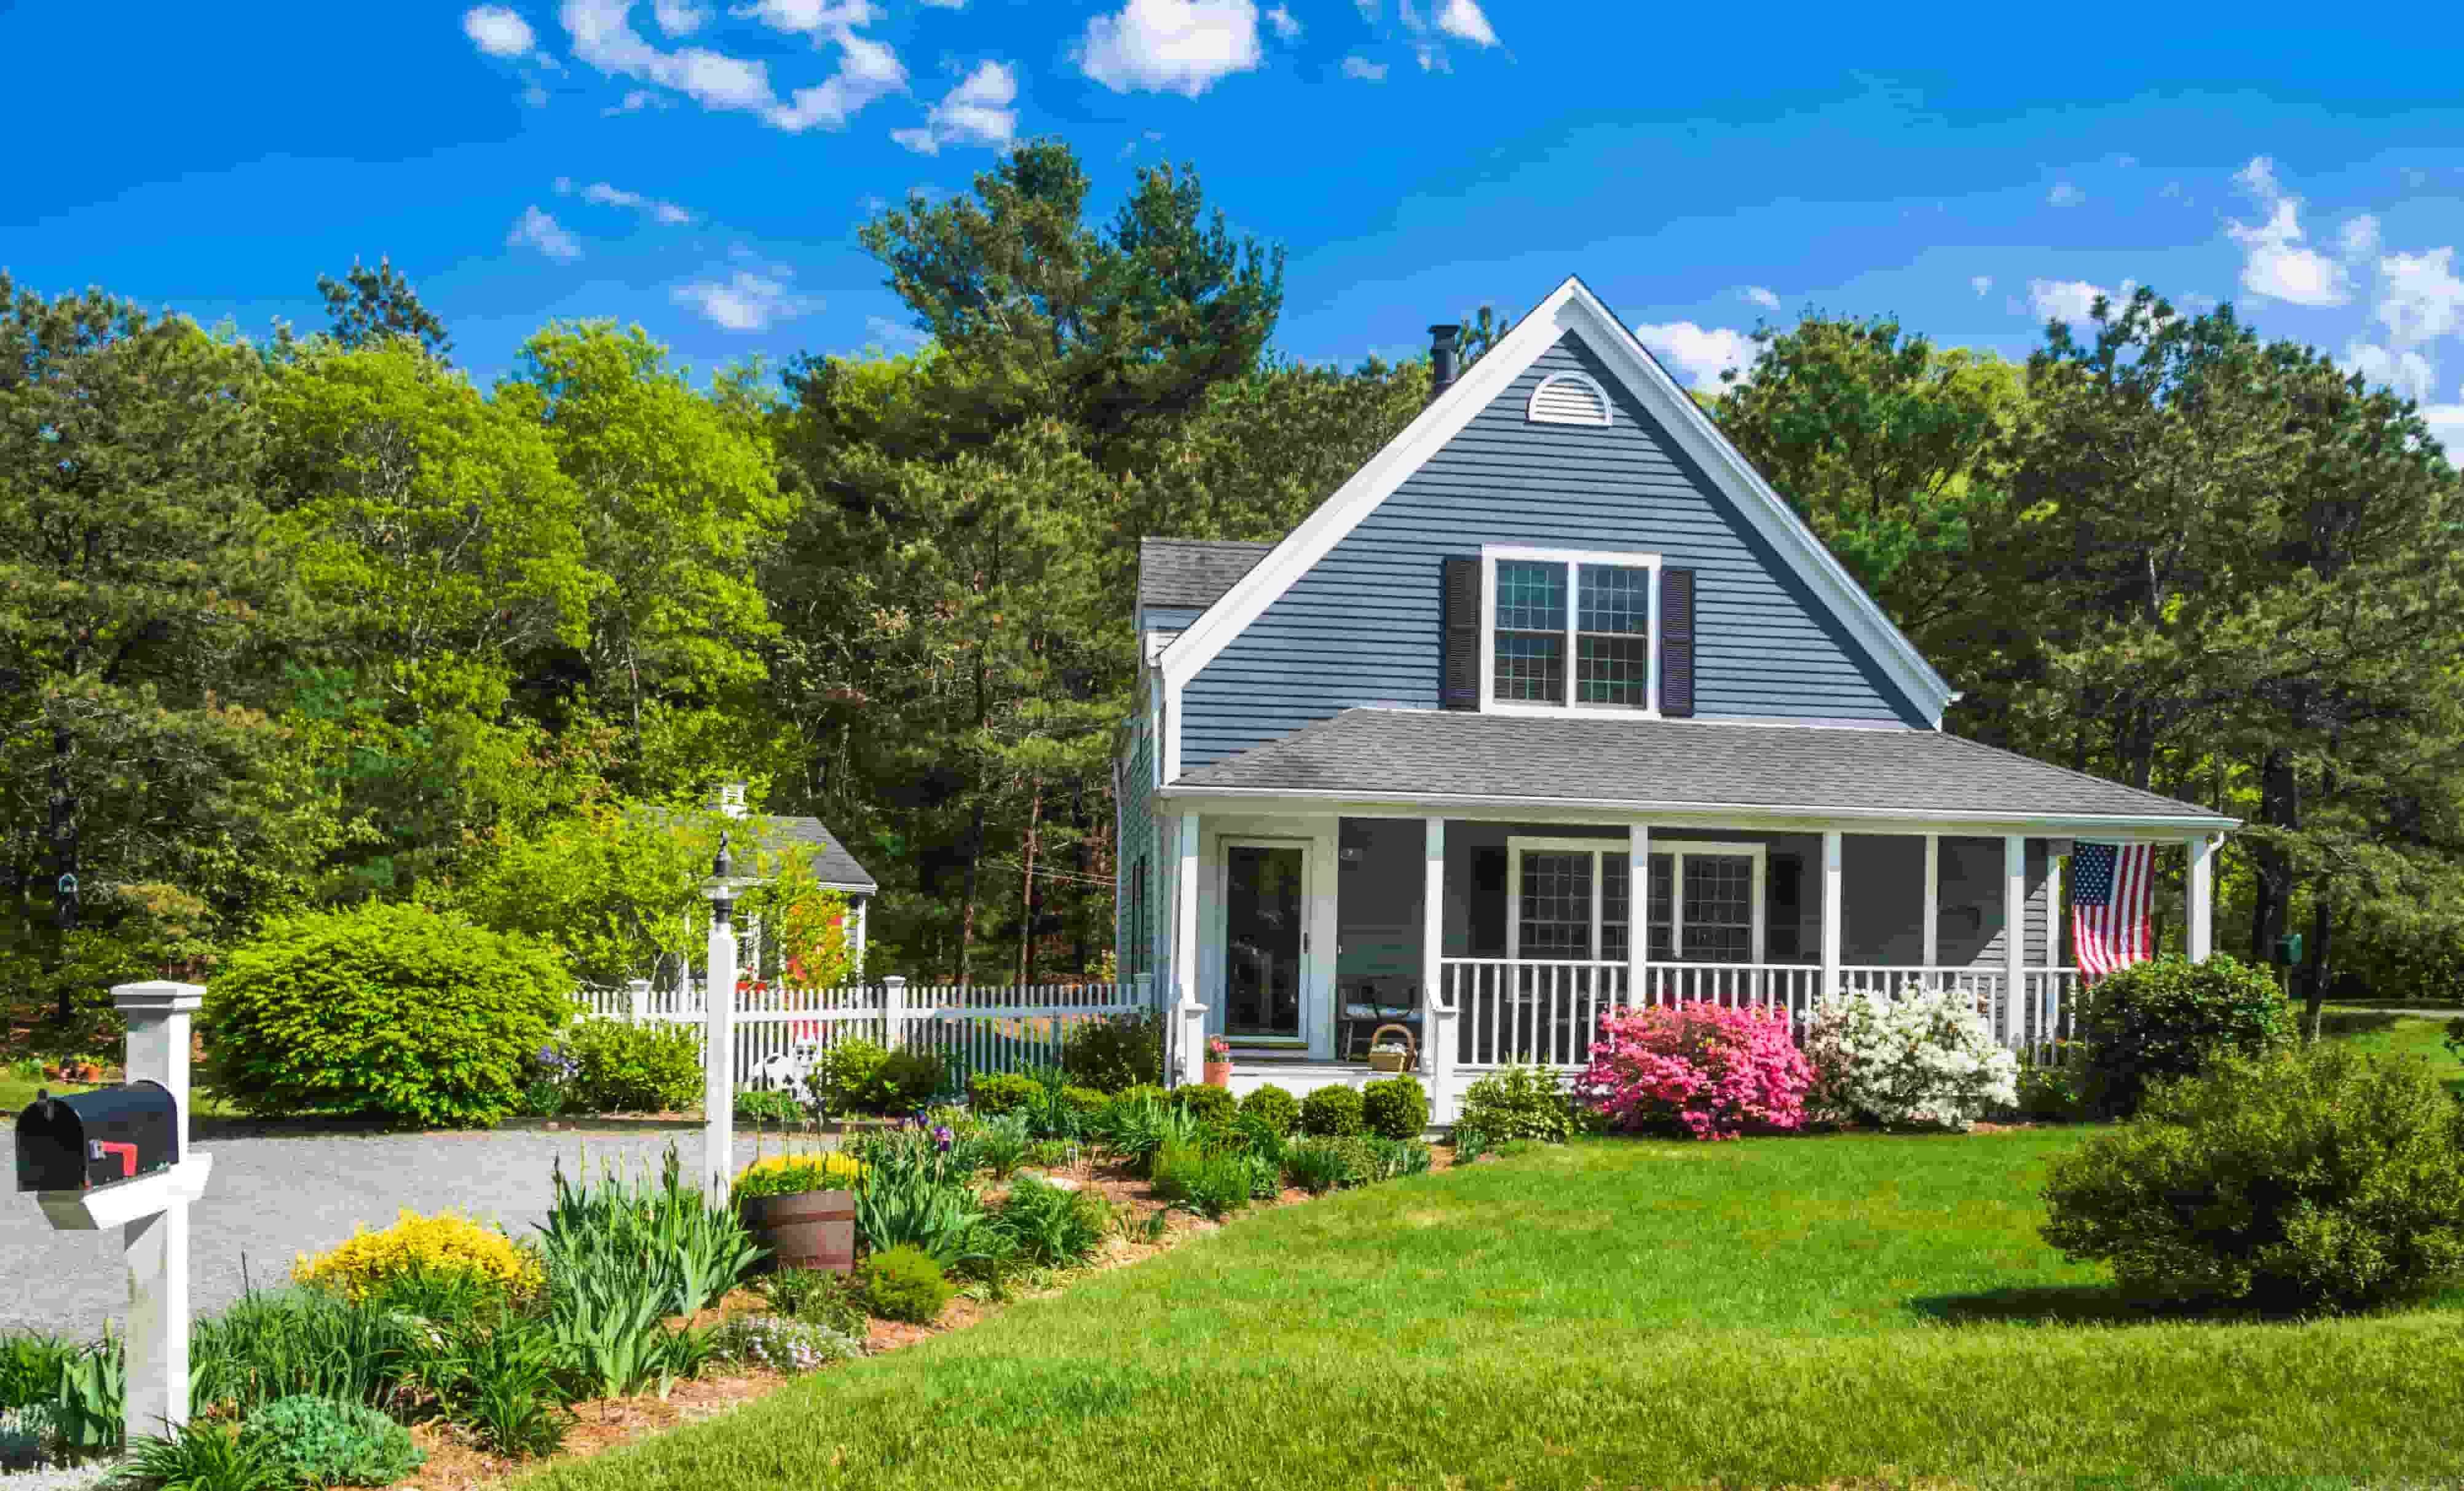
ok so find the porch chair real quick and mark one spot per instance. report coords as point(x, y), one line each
point(1371, 1004)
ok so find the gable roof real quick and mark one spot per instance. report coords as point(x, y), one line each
point(1193, 572)
point(1453, 754)
point(832, 865)
point(1570, 307)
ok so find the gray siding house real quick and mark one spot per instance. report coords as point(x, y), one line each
point(1555, 704)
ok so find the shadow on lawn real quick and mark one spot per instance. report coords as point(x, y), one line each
point(2044, 1305)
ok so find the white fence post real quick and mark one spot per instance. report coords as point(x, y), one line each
point(637, 994)
point(893, 1011)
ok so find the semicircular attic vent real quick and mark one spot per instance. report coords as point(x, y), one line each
point(1569, 399)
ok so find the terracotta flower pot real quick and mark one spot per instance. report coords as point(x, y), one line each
point(1218, 1074)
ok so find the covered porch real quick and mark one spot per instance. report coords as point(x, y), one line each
point(1500, 936)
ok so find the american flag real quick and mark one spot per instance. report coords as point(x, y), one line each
point(2109, 894)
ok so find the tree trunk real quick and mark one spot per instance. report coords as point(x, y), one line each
point(967, 898)
point(1026, 888)
point(1078, 866)
point(64, 867)
point(2323, 923)
point(2279, 807)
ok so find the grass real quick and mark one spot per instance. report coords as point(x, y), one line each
point(2393, 1035)
point(1793, 1311)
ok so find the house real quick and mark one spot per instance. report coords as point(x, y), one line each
point(832, 865)
point(1556, 662)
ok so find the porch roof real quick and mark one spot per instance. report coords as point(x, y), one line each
point(1445, 754)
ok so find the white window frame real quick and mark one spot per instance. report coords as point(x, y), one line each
point(1519, 845)
point(1490, 555)
point(1678, 850)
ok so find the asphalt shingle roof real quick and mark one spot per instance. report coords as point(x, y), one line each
point(832, 864)
point(1192, 572)
point(1406, 753)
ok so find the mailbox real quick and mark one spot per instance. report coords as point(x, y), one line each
point(91, 1140)
point(2288, 950)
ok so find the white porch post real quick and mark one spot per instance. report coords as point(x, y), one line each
point(1932, 955)
point(1192, 1014)
point(1638, 913)
point(1437, 1005)
point(2202, 882)
point(1832, 878)
point(2015, 933)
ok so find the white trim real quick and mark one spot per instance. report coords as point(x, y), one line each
point(2133, 827)
point(1570, 307)
point(1531, 414)
point(1493, 554)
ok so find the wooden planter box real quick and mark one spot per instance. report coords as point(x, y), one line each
point(803, 1229)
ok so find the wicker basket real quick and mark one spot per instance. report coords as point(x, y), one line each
point(1403, 1061)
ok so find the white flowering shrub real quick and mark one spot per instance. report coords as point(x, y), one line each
point(786, 1346)
point(1926, 1059)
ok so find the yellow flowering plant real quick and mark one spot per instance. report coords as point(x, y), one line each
point(785, 1174)
point(446, 1242)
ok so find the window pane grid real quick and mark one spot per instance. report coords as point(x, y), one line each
point(1556, 905)
point(1663, 869)
point(1719, 908)
point(1616, 598)
point(1531, 667)
point(1615, 903)
point(1531, 597)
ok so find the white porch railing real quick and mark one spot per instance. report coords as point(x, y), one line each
point(781, 1032)
point(1543, 1013)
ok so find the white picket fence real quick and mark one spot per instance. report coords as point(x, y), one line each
point(781, 1032)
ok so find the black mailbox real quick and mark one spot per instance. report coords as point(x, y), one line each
point(97, 1138)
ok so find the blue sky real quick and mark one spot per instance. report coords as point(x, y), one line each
point(700, 167)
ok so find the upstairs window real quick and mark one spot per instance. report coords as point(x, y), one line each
point(1571, 631)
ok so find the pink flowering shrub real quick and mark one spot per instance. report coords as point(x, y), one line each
point(1707, 1069)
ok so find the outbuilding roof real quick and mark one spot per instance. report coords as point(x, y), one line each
point(1687, 764)
point(1192, 572)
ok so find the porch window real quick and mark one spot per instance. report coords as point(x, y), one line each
point(1707, 902)
point(1572, 630)
point(1572, 896)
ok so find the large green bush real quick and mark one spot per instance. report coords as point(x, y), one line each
point(1517, 1103)
point(2322, 1177)
point(1112, 1055)
point(860, 1076)
point(625, 1068)
point(2171, 1017)
point(393, 1011)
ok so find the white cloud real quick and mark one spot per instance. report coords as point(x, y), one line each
point(1701, 353)
point(2279, 264)
point(2446, 422)
point(1980, 283)
point(1362, 67)
point(679, 17)
point(2065, 196)
point(1761, 297)
point(2063, 299)
point(867, 71)
point(536, 230)
point(1170, 46)
point(2408, 373)
point(809, 15)
point(978, 112)
point(1287, 27)
point(1462, 19)
point(606, 195)
point(496, 31)
point(2360, 237)
point(745, 300)
point(636, 100)
point(2419, 296)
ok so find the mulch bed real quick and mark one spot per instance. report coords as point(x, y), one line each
point(602, 1424)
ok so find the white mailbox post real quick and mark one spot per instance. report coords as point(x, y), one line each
point(151, 1212)
point(718, 1030)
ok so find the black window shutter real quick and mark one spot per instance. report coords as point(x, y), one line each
point(1677, 642)
point(1459, 687)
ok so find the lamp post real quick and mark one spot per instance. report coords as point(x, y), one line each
point(718, 1029)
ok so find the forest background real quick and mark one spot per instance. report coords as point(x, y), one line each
point(312, 621)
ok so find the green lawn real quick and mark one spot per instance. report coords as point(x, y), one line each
point(1792, 1312)
point(2400, 1035)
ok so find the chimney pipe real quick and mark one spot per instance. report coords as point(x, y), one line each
point(1442, 358)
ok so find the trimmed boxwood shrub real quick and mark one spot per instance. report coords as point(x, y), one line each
point(1274, 1106)
point(1003, 1093)
point(382, 1011)
point(1110, 1054)
point(2171, 1017)
point(1332, 1112)
point(2323, 1177)
point(1085, 1103)
point(905, 1283)
point(1396, 1108)
point(1210, 1105)
point(627, 1069)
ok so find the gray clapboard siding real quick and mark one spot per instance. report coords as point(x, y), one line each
point(1364, 626)
point(1136, 946)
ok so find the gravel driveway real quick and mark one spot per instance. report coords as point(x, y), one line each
point(272, 1198)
